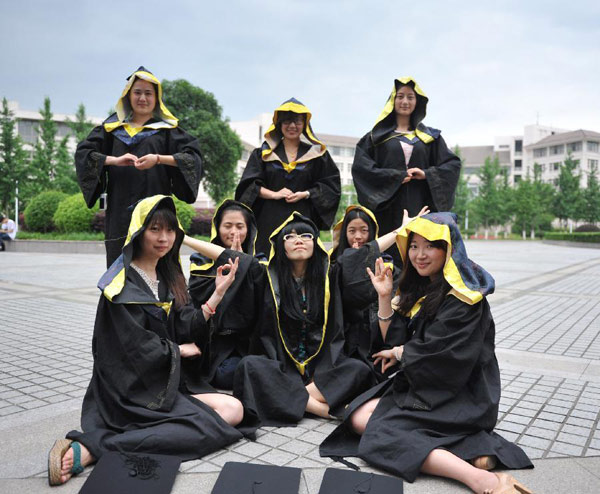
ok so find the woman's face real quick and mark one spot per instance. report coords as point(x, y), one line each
point(142, 98)
point(157, 241)
point(298, 248)
point(292, 127)
point(357, 232)
point(232, 222)
point(425, 258)
point(406, 101)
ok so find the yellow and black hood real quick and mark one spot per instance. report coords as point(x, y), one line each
point(386, 122)
point(201, 265)
point(113, 283)
point(163, 118)
point(288, 335)
point(273, 136)
point(469, 281)
point(338, 236)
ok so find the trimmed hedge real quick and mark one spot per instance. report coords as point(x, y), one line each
point(73, 215)
point(39, 213)
point(588, 237)
point(185, 213)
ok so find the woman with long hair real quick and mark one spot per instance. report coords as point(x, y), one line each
point(144, 329)
point(233, 227)
point(137, 152)
point(438, 412)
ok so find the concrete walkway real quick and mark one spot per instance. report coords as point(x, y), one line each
point(547, 313)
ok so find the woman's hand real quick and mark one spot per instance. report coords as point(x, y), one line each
point(236, 244)
point(388, 358)
point(126, 159)
point(281, 194)
point(146, 162)
point(407, 219)
point(296, 196)
point(224, 281)
point(188, 350)
point(416, 174)
point(382, 279)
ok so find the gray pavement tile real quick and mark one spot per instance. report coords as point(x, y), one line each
point(277, 457)
point(580, 422)
point(584, 414)
point(229, 456)
point(252, 449)
point(297, 447)
point(565, 437)
point(533, 453)
point(555, 409)
point(10, 409)
point(592, 452)
point(272, 439)
point(552, 417)
point(534, 442)
point(314, 437)
point(573, 429)
point(566, 449)
point(541, 433)
point(203, 467)
point(291, 432)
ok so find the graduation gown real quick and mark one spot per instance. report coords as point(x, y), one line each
point(236, 316)
point(380, 166)
point(447, 391)
point(287, 355)
point(134, 402)
point(125, 185)
point(313, 170)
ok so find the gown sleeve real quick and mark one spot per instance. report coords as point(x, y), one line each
point(443, 174)
point(189, 326)
point(186, 176)
point(439, 363)
point(253, 178)
point(374, 184)
point(326, 191)
point(89, 164)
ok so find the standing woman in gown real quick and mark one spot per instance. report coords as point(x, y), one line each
point(289, 174)
point(138, 151)
point(403, 164)
point(144, 330)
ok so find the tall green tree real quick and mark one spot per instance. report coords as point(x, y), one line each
point(348, 198)
point(13, 160)
point(487, 205)
point(81, 126)
point(568, 200)
point(505, 193)
point(543, 197)
point(591, 196)
point(463, 194)
point(522, 204)
point(201, 115)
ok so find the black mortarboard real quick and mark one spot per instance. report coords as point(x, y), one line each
point(248, 478)
point(129, 473)
point(336, 481)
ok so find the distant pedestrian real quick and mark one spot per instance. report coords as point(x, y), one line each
point(8, 231)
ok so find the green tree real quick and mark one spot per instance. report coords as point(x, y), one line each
point(505, 193)
point(13, 160)
point(568, 200)
point(81, 126)
point(348, 198)
point(199, 114)
point(543, 197)
point(487, 204)
point(591, 196)
point(522, 204)
point(463, 194)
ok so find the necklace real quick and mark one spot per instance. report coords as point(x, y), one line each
point(152, 284)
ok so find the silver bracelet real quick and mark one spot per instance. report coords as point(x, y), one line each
point(386, 318)
point(395, 351)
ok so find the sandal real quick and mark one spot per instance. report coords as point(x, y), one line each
point(484, 462)
point(60, 448)
point(507, 484)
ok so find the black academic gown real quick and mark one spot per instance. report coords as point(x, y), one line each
point(125, 185)
point(378, 171)
point(446, 395)
point(319, 176)
point(134, 401)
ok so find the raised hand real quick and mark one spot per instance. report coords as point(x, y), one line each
point(407, 219)
point(236, 244)
point(382, 278)
point(224, 281)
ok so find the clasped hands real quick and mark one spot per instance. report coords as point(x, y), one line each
point(413, 174)
point(144, 163)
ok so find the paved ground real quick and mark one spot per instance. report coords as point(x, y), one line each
point(547, 313)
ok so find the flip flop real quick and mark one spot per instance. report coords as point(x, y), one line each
point(61, 446)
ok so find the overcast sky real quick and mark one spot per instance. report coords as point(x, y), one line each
point(488, 70)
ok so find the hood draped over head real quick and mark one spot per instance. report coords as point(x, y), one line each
point(200, 263)
point(112, 283)
point(386, 122)
point(162, 117)
point(339, 238)
point(469, 281)
point(289, 335)
point(273, 136)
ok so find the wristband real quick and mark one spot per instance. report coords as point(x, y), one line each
point(206, 308)
point(209, 307)
point(307, 193)
point(157, 159)
point(395, 351)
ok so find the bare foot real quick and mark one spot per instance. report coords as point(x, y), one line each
point(67, 462)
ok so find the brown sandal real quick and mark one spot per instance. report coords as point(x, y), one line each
point(61, 446)
point(507, 484)
point(484, 462)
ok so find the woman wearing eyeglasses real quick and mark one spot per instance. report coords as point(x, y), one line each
point(298, 363)
point(288, 174)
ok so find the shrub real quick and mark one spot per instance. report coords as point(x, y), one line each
point(98, 221)
point(73, 215)
point(201, 223)
point(40, 211)
point(587, 228)
point(185, 213)
point(588, 237)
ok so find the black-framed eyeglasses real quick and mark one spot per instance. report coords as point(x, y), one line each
point(289, 121)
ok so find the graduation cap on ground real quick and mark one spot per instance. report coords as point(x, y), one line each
point(336, 481)
point(132, 473)
point(249, 478)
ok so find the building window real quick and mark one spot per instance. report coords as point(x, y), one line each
point(574, 147)
point(555, 182)
point(335, 150)
point(518, 146)
point(518, 164)
point(28, 130)
point(245, 154)
point(559, 149)
point(517, 178)
point(555, 166)
point(592, 146)
point(540, 152)
point(593, 164)
point(349, 152)
point(503, 146)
